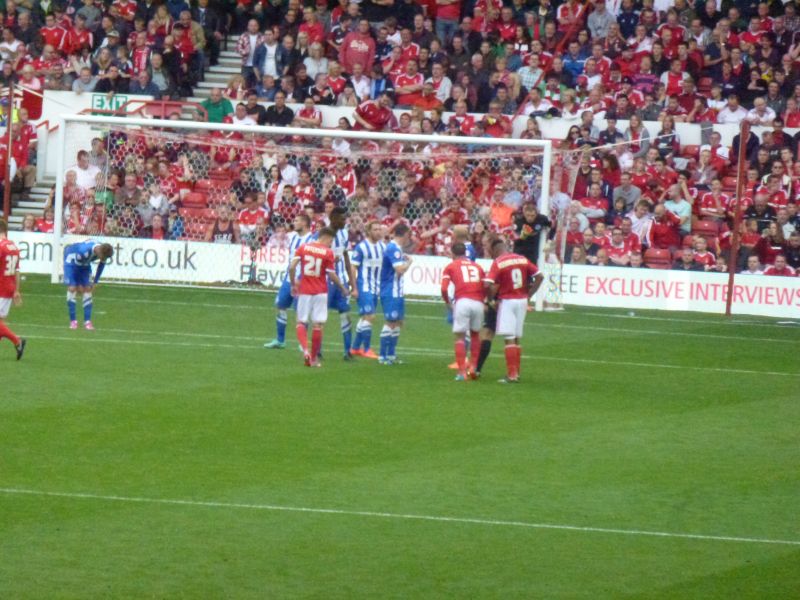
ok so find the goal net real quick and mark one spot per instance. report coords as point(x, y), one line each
point(210, 204)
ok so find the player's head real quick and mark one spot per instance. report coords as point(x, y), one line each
point(3, 228)
point(338, 218)
point(374, 231)
point(459, 250)
point(302, 223)
point(461, 233)
point(401, 233)
point(104, 251)
point(325, 236)
point(498, 248)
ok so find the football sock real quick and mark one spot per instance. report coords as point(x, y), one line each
point(5, 332)
point(71, 305)
point(302, 336)
point(280, 322)
point(316, 342)
point(87, 306)
point(517, 359)
point(393, 341)
point(360, 328)
point(486, 348)
point(386, 336)
point(475, 348)
point(366, 336)
point(347, 332)
point(510, 362)
point(461, 356)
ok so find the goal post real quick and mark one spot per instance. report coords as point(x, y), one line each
point(195, 176)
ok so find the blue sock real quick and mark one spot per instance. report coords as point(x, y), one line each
point(386, 337)
point(357, 340)
point(393, 342)
point(280, 323)
point(367, 336)
point(71, 308)
point(347, 332)
point(87, 307)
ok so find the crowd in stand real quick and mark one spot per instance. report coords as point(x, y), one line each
point(626, 190)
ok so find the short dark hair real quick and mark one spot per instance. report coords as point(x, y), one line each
point(326, 232)
point(458, 249)
point(341, 211)
point(401, 230)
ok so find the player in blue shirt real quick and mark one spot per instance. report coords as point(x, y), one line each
point(78, 259)
point(395, 264)
point(367, 260)
point(344, 270)
point(284, 299)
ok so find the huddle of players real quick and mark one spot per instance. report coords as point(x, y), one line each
point(320, 277)
point(320, 268)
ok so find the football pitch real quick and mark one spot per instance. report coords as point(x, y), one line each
point(167, 454)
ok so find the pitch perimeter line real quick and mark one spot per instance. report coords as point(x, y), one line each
point(412, 351)
point(390, 515)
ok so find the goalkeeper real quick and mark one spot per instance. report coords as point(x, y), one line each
point(78, 259)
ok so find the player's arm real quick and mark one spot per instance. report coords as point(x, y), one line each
point(293, 272)
point(100, 268)
point(17, 293)
point(446, 288)
point(363, 122)
point(401, 267)
point(338, 282)
point(535, 283)
point(349, 269)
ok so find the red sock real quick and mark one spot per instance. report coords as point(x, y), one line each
point(7, 333)
point(517, 359)
point(302, 336)
point(510, 362)
point(316, 342)
point(461, 356)
point(475, 348)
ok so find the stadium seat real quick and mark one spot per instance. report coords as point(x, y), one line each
point(198, 214)
point(678, 254)
point(195, 230)
point(690, 151)
point(688, 240)
point(658, 259)
point(201, 185)
point(194, 200)
point(704, 85)
point(729, 183)
point(219, 173)
point(705, 228)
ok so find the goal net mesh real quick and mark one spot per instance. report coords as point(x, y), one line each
point(229, 199)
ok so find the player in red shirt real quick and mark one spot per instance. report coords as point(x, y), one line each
point(513, 279)
point(469, 292)
point(374, 115)
point(9, 286)
point(312, 291)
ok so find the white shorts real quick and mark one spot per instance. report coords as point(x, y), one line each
point(511, 317)
point(467, 315)
point(312, 309)
point(5, 306)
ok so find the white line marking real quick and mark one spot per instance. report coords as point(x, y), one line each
point(409, 350)
point(700, 321)
point(391, 515)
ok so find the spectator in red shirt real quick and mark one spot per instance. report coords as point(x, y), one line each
point(374, 115)
point(664, 231)
point(358, 47)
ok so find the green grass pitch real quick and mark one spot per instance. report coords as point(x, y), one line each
point(170, 455)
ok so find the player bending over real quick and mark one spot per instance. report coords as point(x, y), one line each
point(513, 279)
point(344, 270)
point(9, 286)
point(395, 264)
point(367, 260)
point(78, 259)
point(284, 300)
point(316, 261)
point(467, 278)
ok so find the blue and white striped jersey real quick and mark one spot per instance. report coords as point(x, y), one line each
point(471, 253)
point(367, 257)
point(341, 243)
point(295, 241)
point(391, 281)
point(81, 253)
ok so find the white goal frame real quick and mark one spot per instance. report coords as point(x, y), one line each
point(545, 146)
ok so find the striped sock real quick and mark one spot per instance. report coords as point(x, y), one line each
point(280, 324)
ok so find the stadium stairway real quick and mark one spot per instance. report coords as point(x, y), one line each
point(230, 64)
point(34, 204)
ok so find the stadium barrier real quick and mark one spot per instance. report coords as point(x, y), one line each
point(611, 287)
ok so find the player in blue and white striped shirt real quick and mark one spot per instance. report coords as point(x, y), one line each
point(284, 299)
point(395, 264)
point(367, 260)
point(78, 259)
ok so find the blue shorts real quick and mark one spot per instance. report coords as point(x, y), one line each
point(336, 300)
point(367, 303)
point(284, 299)
point(394, 309)
point(77, 276)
